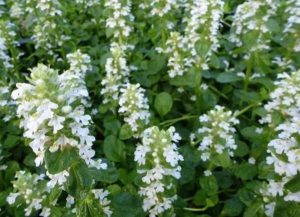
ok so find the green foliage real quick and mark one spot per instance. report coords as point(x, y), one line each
point(163, 103)
point(239, 74)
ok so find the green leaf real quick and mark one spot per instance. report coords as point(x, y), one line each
point(254, 210)
point(125, 132)
point(79, 180)
point(222, 160)
point(61, 159)
point(108, 175)
point(191, 79)
point(209, 184)
point(242, 149)
point(287, 209)
point(12, 168)
point(245, 171)
point(228, 77)
point(294, 184)
point(126, 205)
point(3, 196)
point(163, 103)
point(247, 96)
point(233, 207)
point(114, 149)
point(199, 198)
point(11, 141)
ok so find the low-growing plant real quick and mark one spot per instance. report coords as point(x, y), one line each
point(127, 108)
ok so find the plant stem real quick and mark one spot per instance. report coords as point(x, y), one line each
point(195, 209)
point(245, 109)
point(218, 92)
point(172, 121)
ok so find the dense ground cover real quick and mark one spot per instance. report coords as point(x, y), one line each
point(149, 108)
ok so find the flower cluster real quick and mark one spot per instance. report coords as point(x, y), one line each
point(46, 32)
point(88, 3)
point(101, 196)
point(116, 66)
point(7, 105)
point(217, 133)
point(159, 8)
point(120, 12)
point(116, 72)
point(251, 17)
point(7, 40)
point(31, 190)
point(52, 108)
point(158, 158)
point(284, 152)
point(293, 24)
point(200, 38)
point(203, 25)
point(134, 106)
point(80, 63)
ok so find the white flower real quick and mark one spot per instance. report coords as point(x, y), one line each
point(252, 16)
point(12, 198)
point(216, 132)
point(101, 195)
point(56, 123)
point(57, 179)
point(46, 212)
point(79, 63)
point(47, 119)
point(134, 106)
point(158, 159)
point(207, 173)
point(283, 150)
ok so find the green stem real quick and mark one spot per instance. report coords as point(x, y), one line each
point(218, 92)
point(248, 73)
point(195, 209)
point(245, 109)
point(172, 121)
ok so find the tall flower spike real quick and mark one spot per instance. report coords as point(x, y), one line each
point(7, 40)
point(134, 106)
point(116, 67)
point(120, 15)
point(7, 105)
point(158, 159)
point(202, 25)
point(52, 108)
point(292, 26)
point(30, 190)
point(216, 133)
point(116, 72)
point(283, 149)
point(80, 63)
point(251, 17)
point(101, 196)
point(46, 31)
point(159, 8)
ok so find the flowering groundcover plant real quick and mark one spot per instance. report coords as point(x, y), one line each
point(136, 108)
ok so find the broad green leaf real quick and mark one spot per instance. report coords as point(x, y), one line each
point(114, 149)
point(228, 77)
point(126, 205)
point(294, 184)
point(61, 159)
point(11, 141)
point(209, 184)
point(222, 160)
point(163, 103)
point(125, 132)
point(232, 207)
